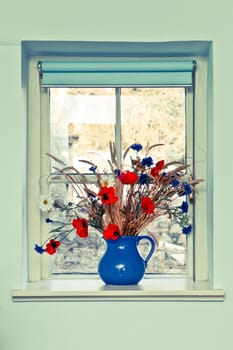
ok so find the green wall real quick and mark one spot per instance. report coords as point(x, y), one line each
point(112, 325)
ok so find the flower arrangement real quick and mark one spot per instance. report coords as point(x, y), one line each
point(123, 201)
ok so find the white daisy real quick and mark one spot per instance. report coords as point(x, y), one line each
point(45, 203)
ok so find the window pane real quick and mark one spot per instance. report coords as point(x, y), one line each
point(152, 116)
point(82, 122)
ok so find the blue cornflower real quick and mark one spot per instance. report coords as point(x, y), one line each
point(148, 161)
point(136, 147)
point(184, 206)
point(164, 174)
point(175, 182)
point(144, 179)
point(187, 230)
point(187, 188)
point(39, 249)
point(48, 220)
point(93, 169)
point(117, 172)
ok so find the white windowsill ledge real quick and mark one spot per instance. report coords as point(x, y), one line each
point(93, 289)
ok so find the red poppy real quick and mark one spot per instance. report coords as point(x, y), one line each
point(128, 177)
point(81, 226)
point(52, 246)
point(112, 232)
point(107, 195)
point(147, 205)
point(156, 169)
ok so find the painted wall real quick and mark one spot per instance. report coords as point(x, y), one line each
point(125, 325)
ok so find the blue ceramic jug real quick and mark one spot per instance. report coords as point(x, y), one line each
point(122, 263)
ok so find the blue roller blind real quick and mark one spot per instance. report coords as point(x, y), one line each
point(116, 73)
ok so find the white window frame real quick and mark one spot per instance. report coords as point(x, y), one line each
point(198, 284)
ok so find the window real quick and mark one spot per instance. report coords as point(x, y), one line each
point(43, 95)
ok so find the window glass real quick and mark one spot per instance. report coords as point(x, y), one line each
point(82, 122)
point(155, 115)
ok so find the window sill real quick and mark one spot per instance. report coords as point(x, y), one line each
point(93, 289)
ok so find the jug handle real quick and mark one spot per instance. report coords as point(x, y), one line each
point(152, 249)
